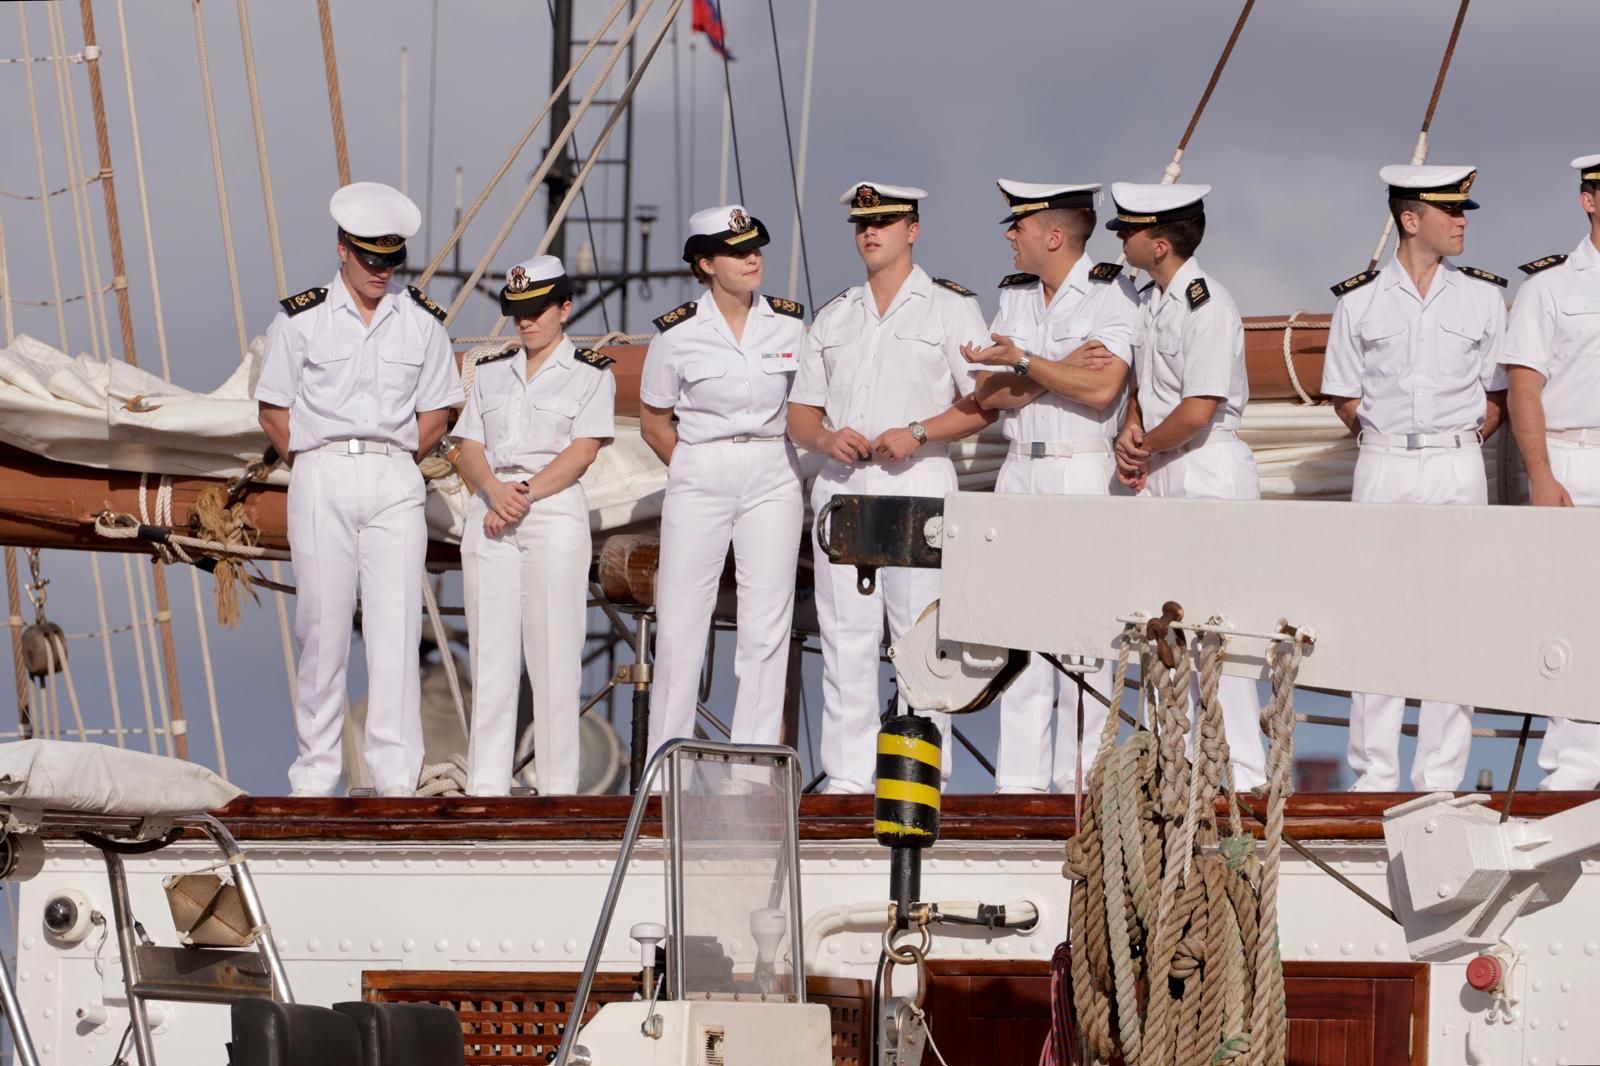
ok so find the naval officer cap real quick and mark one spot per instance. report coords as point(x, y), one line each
point(533, 286)
point(726, 230)
point(375, 220)
point(1442, 186)
point(1588, 167)
point(873, 201)
point(1026, 198)
point(1150, 205)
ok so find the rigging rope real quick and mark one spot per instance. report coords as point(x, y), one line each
point(554, 153)
point(52, 192)
point(144, 199)
point(222, 185)
point(330, 67)
point(102, 135)
point(511, 157)
point(247, 45)
point(89, 262)
point(788, 142)
point(1419, 152)
point(38, 152)
point(1174, 169)
point(560, 216)
point(733, 125)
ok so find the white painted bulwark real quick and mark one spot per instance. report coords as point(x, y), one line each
point(1489, 606)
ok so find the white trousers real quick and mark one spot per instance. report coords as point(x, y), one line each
point(1570, 751)
point(526, 595)
point(1222, 469)
point(721, 492)
point(852, 624)
point(355, 523)
point(1041, 694)
point(1444, 730)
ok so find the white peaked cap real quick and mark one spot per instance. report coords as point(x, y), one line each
point(372, 209)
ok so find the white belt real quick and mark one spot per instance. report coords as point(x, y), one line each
point(1059, 449)
point(1413, 442)
point(1210, 436)
point(1587, 438)
point(358, 447)
point(750, 438)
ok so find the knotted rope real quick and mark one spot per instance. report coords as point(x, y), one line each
point(1173, 921)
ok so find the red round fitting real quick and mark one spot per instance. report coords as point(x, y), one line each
point(1485, 973)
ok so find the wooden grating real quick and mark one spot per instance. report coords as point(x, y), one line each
point(511, 1018)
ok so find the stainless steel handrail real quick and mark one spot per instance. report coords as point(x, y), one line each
point(666, 756)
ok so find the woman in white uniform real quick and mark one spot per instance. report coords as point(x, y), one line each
point(712, 407)
point(536, 416)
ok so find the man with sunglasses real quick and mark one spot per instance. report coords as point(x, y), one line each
point(356, 382)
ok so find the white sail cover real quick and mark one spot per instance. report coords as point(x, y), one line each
point(58, 775)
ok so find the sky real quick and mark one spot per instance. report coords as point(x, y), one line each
point(947, 96)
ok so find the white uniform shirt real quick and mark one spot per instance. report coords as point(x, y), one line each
point(524, 424)
point(1183, 351)
point(720, 387)
point(1082, 310)
point(1418, 364)
point(1555, 329)
point(342, 379)
point(876, 372)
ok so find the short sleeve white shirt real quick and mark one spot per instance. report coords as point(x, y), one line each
point(875, 372)
point(1555, 329)
point(1082, 309)
point(523, 424)
point(720, 387)
point(1418, 364)
point(1182, 350)
point(343, 379)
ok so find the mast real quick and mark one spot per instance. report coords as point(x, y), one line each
point(559, 180)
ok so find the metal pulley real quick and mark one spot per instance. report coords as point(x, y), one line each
point(44, 649)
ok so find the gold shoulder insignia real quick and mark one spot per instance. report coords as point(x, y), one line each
point(426, 304)
point(1542, 264)
point(1105, 271)
point(787, 307)
point(1484, 275)
point(302, 301)
point(497, 356)
point(678, 315)
point(958, 289)
point(1013, 280)
point(593, 358)
point(1198, 294)
point(1352, 283)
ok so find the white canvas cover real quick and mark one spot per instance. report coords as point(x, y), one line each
point(59, 775)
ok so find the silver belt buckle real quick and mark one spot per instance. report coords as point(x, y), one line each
point(356, 447)
point(1036, 449)
point(741, 438)
point(1414, 441)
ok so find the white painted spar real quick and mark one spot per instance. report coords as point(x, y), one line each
point(1489, 606)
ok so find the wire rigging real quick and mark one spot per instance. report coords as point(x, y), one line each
point(788, 141)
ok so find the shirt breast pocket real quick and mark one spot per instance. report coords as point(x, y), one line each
point(917, 353)
point(702, 382)
point(327, 366)
point(1461, 346)
point(496, 420)
point(400, 366)
point(1383, 347)
point(558, 410)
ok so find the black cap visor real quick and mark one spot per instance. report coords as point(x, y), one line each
point(537, 297)
point(727, 242)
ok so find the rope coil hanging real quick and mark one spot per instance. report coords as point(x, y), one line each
point(1173, 922)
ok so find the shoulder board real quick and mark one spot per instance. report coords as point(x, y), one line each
point(1542, 264)
point(302, 301)
point(426, 304)
point(958, 289)
point(1147, 286)
point(1011, 281)
point(1105, 271)
point(1484, 275)
point(787, 307)
point(1197, 293)
point(677, 316)
point(1350, 284)
point(592, 358)
point(495, 357)
point(827, 303)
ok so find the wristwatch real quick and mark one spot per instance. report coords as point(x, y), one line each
point(919, 431)
point(1020, 367)
point(450, 448)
